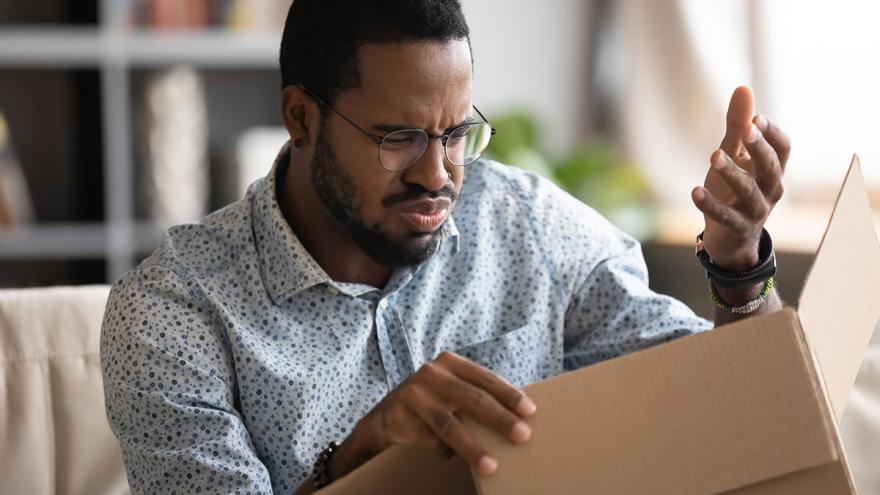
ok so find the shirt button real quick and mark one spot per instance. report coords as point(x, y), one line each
point(382, 305)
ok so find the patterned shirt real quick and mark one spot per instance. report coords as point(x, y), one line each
point(231, 359)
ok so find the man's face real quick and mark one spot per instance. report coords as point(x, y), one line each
point(395, 217)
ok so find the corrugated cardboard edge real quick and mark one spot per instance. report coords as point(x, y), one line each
point(817, 479)
point(827, 479)
point(812, 364)
point(853, 280)
point(828, 411)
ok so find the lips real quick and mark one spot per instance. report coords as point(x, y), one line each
point(425, 215)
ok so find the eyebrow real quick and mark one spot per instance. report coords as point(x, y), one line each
point(399, 127)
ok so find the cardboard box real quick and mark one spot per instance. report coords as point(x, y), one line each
point(748, 408)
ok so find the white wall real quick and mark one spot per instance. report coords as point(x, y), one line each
point(533, 55)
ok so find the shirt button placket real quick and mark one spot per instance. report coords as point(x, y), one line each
point(392, 346)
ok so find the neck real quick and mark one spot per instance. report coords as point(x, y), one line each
point(322, 236)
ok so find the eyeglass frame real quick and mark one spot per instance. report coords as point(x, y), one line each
point(380, 140)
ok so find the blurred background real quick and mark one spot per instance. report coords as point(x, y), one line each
point(119, 118)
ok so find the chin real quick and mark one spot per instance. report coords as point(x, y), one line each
point(410, 249)
point(396, 244)
point(416, 237)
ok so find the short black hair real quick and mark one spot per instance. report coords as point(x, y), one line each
point(319, 48)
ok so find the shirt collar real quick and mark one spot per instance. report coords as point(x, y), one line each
point(286, 265)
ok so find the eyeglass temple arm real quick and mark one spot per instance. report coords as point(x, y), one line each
point(375, 138)
point(494, 131)
point(321, 101)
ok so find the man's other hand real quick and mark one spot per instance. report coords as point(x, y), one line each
point(743, 185)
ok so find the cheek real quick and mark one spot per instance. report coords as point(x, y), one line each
point(371, 182)
point(373, 188)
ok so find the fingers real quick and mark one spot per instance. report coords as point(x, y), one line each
point(513, 398)
point(765, 163)
point(477, 402)
point(751, 200)
point(739, 116)
point(726, 215)
point(404, 426)
point(423, 410)
point(448, 429)
point(774, 135)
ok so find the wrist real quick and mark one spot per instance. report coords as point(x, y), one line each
point(738, 260)
point(739, 271)
point(354, 451)
point(736, 297)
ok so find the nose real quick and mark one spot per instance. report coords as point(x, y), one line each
point(430, 171)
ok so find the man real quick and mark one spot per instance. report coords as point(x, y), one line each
point(383, 280)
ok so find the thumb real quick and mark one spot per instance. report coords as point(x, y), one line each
point(739, 119)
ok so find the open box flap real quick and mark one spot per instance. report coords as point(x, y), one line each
point(704, 414)
point(845, 274)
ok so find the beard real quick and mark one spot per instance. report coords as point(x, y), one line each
point(339, 194)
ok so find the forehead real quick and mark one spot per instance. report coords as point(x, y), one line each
point(418, 82)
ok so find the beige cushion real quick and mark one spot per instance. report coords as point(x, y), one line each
point(53, 430)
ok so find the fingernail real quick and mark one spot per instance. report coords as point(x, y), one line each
point(698, 194)
point(521, 432)
point(487, 465)
point(526, 407)
point(761, 122)
point(753, 134)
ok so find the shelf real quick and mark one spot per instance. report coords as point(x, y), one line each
point(91, 47)
point(73, 240)
point(116, 55)
point(209, 48)
point(49, 46)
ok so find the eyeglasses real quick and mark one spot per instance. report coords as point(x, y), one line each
point(398, 150)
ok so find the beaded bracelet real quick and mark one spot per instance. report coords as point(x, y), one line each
point(319, 472)
point(746, 308)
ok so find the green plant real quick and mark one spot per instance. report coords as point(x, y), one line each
point(593, 172)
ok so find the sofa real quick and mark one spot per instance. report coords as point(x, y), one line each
point(54, 437)
point(53, 431)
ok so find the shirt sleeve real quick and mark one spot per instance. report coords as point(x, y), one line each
point(601, 274)
point(169, 387)
point(613, 311)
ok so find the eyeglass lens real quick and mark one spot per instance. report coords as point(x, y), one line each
point(464, 146)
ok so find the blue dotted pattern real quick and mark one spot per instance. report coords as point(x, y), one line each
point(231, 359)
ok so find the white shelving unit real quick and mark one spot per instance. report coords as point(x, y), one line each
point(115, 53)
point(70, 240)
point(95, 48)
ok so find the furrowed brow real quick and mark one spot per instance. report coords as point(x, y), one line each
point(401, 127)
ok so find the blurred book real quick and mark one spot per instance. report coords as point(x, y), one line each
point(236, 15)
point(15, 202)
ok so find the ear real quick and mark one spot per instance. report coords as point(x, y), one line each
point(300, 114)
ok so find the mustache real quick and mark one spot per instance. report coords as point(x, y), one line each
point(415, 191)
